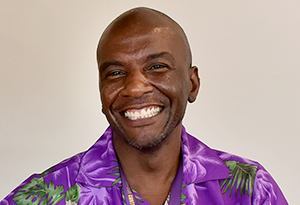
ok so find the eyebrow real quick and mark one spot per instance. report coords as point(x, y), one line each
point(166, 55)
point(161, 55)
point(109, 63)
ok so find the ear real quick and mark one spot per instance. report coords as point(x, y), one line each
point(102, 110)
point(194, 83)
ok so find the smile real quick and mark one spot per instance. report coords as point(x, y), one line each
point(142, 113)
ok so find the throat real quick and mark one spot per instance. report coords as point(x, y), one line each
point(155, 190)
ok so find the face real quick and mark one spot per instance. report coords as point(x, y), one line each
point(145, 83)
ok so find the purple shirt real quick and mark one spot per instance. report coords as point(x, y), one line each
point(209, 177)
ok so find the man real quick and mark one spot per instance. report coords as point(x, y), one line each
point(146, 156)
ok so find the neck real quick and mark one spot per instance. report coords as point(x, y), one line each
point(150, 169)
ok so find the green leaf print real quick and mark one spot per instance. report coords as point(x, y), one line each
point(50, 170)
point(73, 193)
point(168, 197)
point(115, 171)
point(116, 181)
point(183, 197)
point(241, 176)
point(140, 200)
point(39, 192)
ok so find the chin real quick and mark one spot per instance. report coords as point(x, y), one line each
point(148, 141)
point(147, 144)
point(145, 138)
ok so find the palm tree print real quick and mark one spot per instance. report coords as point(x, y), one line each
point(242, 177)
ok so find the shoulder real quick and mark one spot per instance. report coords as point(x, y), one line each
point(56, 181)
point(231, 157)
point(247, 178)
point(252, 178)
point(72, 164)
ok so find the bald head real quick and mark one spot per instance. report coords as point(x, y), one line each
point(144, 20)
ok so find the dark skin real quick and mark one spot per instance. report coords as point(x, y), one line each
point(145, 67)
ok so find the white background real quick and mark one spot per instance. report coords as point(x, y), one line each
point(248, 53)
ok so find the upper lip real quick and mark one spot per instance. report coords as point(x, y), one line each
point(140, 106)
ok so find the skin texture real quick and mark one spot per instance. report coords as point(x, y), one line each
point(144, 62)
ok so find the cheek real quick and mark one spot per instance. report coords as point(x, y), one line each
point(109, 94)
point(174, 85)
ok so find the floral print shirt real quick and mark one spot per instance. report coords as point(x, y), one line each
point(210, 177)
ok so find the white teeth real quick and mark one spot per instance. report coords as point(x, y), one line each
point(143, 113)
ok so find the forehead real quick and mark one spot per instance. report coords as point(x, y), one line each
point(143, 30)
point(137, 41)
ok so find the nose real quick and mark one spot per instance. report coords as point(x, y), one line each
point(136, 85)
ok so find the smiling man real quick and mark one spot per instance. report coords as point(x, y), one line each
point(146, 78)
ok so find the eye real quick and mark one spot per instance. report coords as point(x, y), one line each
point(158, 66)
point(114, 74)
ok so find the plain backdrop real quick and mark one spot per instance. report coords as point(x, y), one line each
point(248, 53)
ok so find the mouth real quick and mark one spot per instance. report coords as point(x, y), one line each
point(147, 112)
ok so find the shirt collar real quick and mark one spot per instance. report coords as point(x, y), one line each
point(100, 168)
point(200, 163)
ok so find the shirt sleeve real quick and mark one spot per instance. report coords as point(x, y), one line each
point(8, 200)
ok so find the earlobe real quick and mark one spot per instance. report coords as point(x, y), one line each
point(195, 84)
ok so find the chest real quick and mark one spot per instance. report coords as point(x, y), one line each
point(202, 193)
